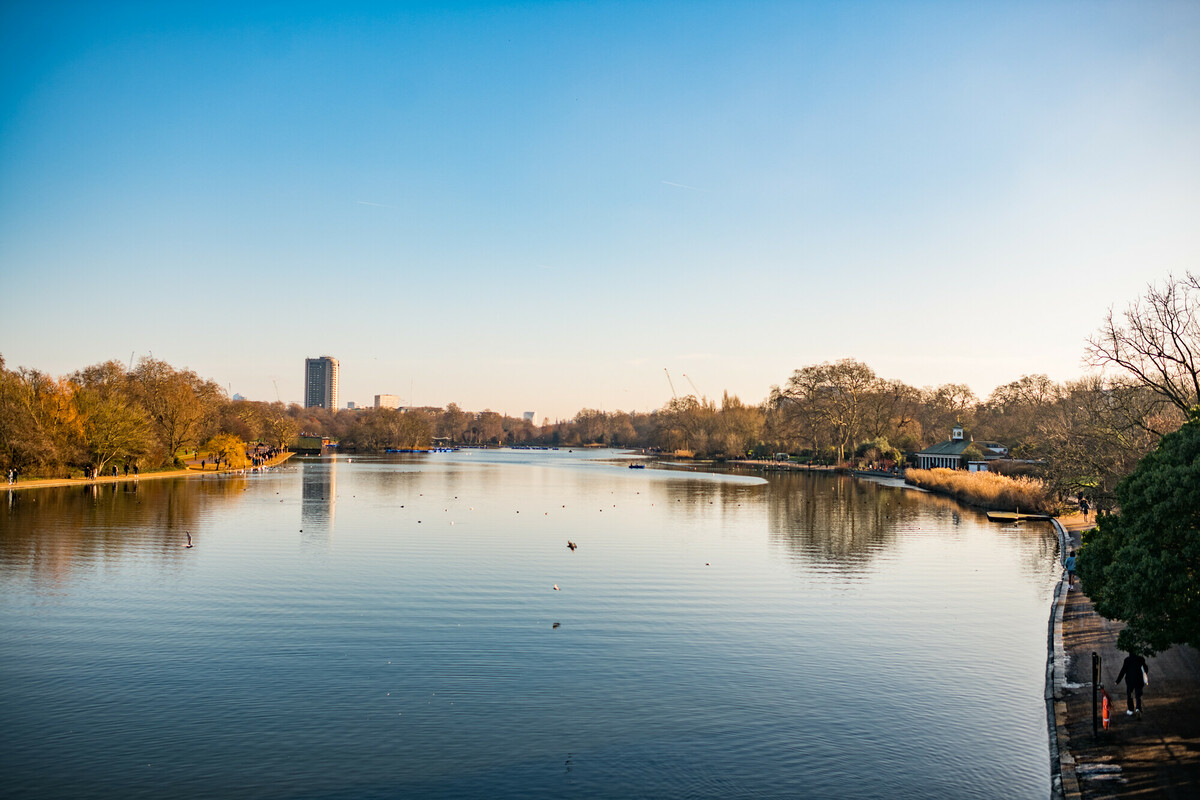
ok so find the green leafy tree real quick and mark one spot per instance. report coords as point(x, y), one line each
point(972, 453)
point(1142, 566)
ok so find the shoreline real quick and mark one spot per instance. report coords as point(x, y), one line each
point(1064, 780)
point(187, 472)
point(1154, 756)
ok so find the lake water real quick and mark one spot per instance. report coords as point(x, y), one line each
point(389, 627)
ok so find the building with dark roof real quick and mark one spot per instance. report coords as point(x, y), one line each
point(948, 454)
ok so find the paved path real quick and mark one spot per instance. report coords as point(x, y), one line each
point(1155, 756)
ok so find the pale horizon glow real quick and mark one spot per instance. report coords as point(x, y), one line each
point(539, 207)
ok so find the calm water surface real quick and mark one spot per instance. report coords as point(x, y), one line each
point(388, 627)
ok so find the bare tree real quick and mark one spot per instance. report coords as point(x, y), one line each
point(1097, 431)
point(1156, 340)
point(827, 399)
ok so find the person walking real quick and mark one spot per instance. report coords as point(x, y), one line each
point(1136, 675)
point(1069, 563)
point(1085, 508)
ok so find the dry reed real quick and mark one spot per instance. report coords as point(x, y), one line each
point(984, 489)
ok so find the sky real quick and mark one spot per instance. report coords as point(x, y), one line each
point(543, 206)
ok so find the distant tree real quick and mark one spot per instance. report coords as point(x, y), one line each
point(488, 428)
point(827, 400)
point(1015, 413)
point(179, 403)
point(944, 407)
point(39, 426)
point(686, 423)
point(114, 427)
point(454, 423)
point(738, 427)
point(590, 424)
point(278, 429)
point(1142, 566)
point(890, 410)
point(413, 430)
point(1097, 431)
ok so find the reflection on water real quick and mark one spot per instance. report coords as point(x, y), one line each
point(318, 506)
point(48, 532)
point(712, 636)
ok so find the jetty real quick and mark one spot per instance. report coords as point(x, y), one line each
point(1014, 516)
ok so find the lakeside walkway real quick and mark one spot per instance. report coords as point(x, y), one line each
point(193, 470)
point(1154, 756)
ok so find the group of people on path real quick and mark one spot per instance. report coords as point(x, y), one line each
point(12, 475)
point(94, 472)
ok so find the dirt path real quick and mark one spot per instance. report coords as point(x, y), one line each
point(1156, 755)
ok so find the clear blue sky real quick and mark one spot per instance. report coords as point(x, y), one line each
point(539, 206)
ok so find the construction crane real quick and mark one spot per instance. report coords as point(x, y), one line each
point(277, 397)
point(672, 383)
point(694, 389)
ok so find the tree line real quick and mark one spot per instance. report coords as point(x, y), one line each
point(1081, 435)
point(107, 415)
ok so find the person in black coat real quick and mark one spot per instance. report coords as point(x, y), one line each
point(1132, 670)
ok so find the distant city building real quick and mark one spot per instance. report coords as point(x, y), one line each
point(528, 416)
point(387, 401)
point(321, 383)
point(237, 396)
point(350, 405)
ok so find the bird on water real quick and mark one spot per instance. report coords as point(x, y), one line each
point(571, 545)
point(189, 535)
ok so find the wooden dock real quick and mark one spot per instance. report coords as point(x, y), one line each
point(1014, 516)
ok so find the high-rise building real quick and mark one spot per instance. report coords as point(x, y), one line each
point(321, 383)
point(387, 401)
point(529, 416)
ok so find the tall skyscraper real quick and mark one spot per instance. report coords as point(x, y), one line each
point(321, 382)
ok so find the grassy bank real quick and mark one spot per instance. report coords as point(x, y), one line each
point(984, 489)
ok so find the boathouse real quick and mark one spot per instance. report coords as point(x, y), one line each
point(948, 454)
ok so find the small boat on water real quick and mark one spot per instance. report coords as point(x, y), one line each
point(637, 466)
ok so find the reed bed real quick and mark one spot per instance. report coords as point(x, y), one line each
point(984, 489)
